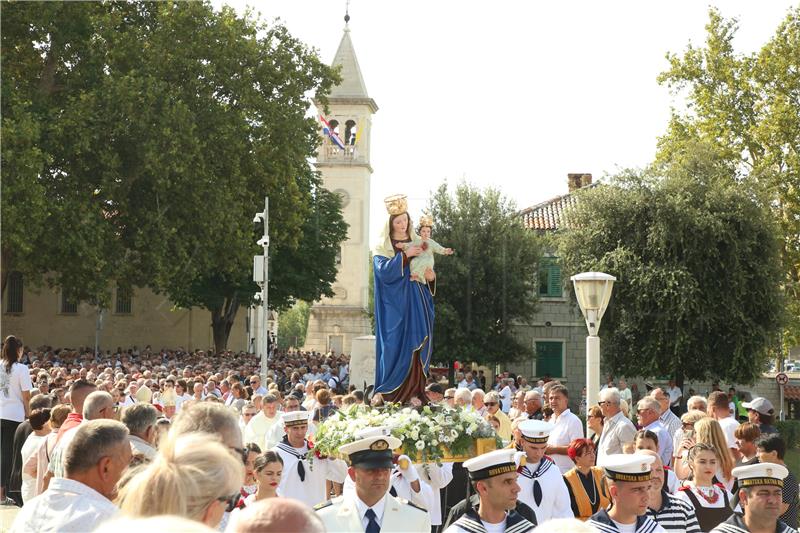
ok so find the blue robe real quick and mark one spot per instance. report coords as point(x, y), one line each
point(403, 322)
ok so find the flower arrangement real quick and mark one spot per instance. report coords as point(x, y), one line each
point(426, 434)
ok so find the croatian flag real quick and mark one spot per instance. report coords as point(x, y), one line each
point(327, 130)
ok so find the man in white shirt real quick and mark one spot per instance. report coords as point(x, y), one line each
point(718, 410)
point(505, 395)
point(94, 462)
point(647, 412)
point(141, 423)
point(256, 430)
point(258, 388)
point(567, 428)
point(675, 397)
point(618, 429)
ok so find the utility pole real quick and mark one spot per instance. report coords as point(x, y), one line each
point(261, 276)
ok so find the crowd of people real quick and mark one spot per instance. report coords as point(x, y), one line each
point(197, 441)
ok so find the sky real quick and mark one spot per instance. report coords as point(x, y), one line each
point(511, 94)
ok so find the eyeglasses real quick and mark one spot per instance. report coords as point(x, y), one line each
point(248, 414)
point(490, 403)
point(601, 404)
point(449, 397)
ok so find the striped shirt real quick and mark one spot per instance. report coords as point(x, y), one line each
point(675, 515)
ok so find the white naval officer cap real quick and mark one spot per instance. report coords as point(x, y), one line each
point(761, 474)
point(535, 431)
point(494, 463)
point(295, 418)
point(627, 467)
point(373, 448)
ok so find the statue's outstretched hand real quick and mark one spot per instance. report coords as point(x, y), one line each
point(449, 251)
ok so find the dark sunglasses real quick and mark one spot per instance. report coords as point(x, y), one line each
point(490, 403)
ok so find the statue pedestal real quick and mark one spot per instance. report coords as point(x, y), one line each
point(362, 362)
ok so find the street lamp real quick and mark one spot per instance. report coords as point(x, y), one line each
point(593, 292)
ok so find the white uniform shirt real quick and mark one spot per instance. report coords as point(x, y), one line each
point(554, 493)
point(258, 427)
point(66, 505)
point(310, 490)
point(568, 428)
point(437, 477)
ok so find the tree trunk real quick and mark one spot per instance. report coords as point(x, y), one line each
point(222, 318)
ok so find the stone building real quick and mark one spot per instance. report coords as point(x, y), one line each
point(334, 322)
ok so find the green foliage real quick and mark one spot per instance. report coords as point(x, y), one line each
point(292, 326)
point(144, 136)
point(491, 281)
point(697, 263)
point(790, 433)
point(745, 108)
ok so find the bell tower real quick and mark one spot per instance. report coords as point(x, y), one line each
point(343, 159)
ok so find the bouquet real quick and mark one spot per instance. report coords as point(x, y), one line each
point(425, 434)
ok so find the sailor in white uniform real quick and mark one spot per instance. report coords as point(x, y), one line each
point(760, 495)
point(629, 487)
point(370, 508)
point(493, 476)
point(542, 487)
point(302, 479)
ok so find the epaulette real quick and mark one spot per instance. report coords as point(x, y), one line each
point(323, 505)
point(412, 504)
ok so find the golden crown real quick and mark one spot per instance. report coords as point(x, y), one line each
point(396, 204)
point(426, 220)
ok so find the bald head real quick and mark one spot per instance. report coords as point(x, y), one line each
point(97, 405)
point(277, 515)
point(656, 468)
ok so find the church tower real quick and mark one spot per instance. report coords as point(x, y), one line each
point(344, 162)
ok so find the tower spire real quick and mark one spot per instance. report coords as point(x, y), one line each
point(347, 13)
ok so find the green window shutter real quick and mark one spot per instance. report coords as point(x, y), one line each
point(549, 355)
point(554, 280)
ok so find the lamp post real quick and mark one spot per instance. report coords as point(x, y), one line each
point(593, 292)
point(261, 276)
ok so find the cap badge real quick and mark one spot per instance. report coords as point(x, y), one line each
point(379, 445)
point(645, 468)
point(769, 472)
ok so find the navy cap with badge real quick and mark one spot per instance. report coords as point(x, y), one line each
point(372, 449)
point(627, 467)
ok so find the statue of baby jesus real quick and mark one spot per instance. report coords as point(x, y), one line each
point(424, 260)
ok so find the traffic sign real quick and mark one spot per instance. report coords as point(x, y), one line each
point(782, 379)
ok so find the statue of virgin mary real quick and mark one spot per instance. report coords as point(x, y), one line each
point(403, 311)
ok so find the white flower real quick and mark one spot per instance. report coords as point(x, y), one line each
point(454, 434)
point(420, 445)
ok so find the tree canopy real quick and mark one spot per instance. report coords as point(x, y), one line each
point(141, 137)
point(696, 256)
point(490, 283)
point(745, 108)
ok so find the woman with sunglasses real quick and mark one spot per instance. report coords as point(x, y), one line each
point(194, 476)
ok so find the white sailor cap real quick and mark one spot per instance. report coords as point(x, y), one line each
point(295, 418)
point(627, 467)
point(494, 463)
point(372, 449)
point(536, 431)
point(760, 474)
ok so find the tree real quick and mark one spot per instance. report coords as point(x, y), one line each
point(151, 132)
point(696, 256)
point(744, 107)
point(491, 281)
point(292, 326)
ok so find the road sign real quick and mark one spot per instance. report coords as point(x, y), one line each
point(782, 379)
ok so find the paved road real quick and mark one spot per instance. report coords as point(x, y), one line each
point(7, 514)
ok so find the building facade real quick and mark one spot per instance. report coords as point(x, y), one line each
point(344, 163)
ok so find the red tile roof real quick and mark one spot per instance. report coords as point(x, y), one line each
point(550, 215)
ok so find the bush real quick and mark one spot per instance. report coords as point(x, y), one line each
point(790, 432)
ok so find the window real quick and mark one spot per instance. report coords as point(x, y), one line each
point(350, 133)
point(550, 278)
point(14, 293)
point(124, 303)
point(339, 256)
point(549, 358)
point(69, 306)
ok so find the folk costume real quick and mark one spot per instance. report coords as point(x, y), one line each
point(712, 505)
point(541, 485)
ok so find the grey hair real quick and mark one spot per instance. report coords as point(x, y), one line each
point(207, 417)
point(534, 394)
point(700, 399)
point(96, 402)
point(610, 394)
point(478, 392)
point(649, 402)
point(93, 440)
point(464, 395)
point(277, 514)
point(139, 417)
point(491, 396)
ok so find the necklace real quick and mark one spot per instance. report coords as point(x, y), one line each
point(709, 494)
point(593, 496)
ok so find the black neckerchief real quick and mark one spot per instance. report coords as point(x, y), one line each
point(288, 448)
